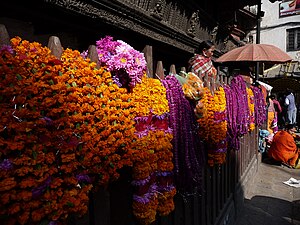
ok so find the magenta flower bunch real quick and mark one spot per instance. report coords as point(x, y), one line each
point(126, 64)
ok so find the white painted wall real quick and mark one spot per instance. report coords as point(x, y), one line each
point(273, 27)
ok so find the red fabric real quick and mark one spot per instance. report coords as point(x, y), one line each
point(201, 65)
point(284, 148)
point(277, 106)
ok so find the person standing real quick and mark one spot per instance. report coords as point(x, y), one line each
point(201, 63)
point(278, 111)
point(271, 115)
point(291, 107)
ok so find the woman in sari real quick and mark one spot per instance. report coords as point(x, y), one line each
point(283, 147)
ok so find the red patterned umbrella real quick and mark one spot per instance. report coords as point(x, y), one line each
point(255, 53)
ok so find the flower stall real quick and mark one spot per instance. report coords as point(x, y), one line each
point(69, 127)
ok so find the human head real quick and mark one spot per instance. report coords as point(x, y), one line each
point(206, 48)
point(291, 128)
point(288, 91)
point(272, 96)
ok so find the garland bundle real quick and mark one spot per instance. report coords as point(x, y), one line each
point(152, 156)
point(65, 126)
point(251, 106)
point(213, 125)
point(259, 106)
point(238, 85)
point(187, 149)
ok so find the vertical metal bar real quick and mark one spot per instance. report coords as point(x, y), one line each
point(258, 36)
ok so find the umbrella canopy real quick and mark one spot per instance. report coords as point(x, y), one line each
point(255, 53)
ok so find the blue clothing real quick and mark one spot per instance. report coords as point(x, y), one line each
point(291, 101)
point(262, 140)
point(291, 109)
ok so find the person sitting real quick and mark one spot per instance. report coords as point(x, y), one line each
point(283, 147)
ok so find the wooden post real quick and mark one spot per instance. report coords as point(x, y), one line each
point(172, 69)
point(4, 36)
point(93, 55)
point(160, 70)
point(55, 46)
point(148, 53)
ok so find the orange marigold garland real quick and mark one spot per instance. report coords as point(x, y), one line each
point(63, 123)
point(250, 96)
point(66, 126)
point(213, 124)
point(153, 162)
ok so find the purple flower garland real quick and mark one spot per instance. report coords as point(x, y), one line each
point(187, 148)
point(259, 106)
point(243, 116)
point(232, 112)
point(238, 117)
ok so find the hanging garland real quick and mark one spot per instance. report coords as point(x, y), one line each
point(259, 106)
point(153, 166)
point(232, 112)
point(187, 149)
point(213, 125)
point(238, 85)
point(65, 127)
point(250, 96)
point(61, 132)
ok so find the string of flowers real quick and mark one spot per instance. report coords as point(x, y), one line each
point(64, 127)
point(153, 166)
point(187, 148)
point(232, 112)
point(250, 96)
point(238, 85)
point(213, 125)
point(259, 106)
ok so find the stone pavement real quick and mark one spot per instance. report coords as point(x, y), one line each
point(268, 200)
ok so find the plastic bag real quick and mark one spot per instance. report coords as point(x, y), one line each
point(192, 85)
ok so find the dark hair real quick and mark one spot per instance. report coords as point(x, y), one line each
point(273, 96)
point(290, 126)
point(204, 45)
point(288, 91)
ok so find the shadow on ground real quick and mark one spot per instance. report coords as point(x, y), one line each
point(262, 210)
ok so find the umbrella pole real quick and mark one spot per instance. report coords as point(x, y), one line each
point(258, 36)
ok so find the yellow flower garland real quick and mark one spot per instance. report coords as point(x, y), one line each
point(250, 96)
point(153, 151)
point(213, 124)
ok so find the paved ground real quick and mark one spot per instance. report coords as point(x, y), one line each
point(269, 201)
